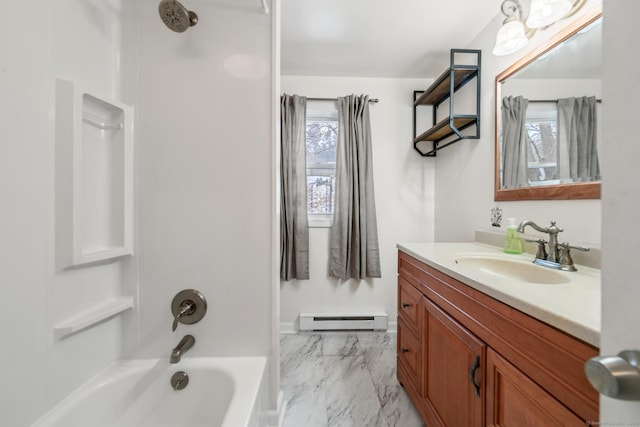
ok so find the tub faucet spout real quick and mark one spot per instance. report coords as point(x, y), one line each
point(183, 346)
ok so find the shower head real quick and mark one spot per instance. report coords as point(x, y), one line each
point(175, 16)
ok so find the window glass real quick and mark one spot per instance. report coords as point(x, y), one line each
point(322, 139)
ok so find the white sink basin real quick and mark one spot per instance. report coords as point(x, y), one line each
point(511, 269)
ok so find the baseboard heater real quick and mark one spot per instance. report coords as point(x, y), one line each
point(343, 322)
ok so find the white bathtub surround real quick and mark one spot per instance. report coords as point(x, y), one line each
point(343, 379)
point(225, 392)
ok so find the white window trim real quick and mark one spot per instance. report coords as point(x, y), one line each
point(320, 220)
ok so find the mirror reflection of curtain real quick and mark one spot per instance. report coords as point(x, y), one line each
point(353, 239)
point(514, 142)
point(294, 229)
point(577, 139)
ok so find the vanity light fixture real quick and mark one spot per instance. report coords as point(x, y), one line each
point(514, 34)
point(517, 29)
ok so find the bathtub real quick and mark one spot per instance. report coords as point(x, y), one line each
point(222, 392)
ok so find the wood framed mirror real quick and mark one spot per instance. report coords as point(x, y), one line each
point(579, 41)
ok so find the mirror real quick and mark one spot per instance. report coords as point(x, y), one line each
point(536, 87)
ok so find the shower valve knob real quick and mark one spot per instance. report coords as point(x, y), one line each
point(188, 306)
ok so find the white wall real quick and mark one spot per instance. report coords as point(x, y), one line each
point(205, 179)
point(465, 171)
point(40, 370)
point(403, 182)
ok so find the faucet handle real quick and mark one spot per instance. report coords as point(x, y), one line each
point(564, 257)
point(186, 309)
point(542, 252)
point(565, 252)
point(580, 248)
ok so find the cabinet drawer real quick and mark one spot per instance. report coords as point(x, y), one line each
point(409, 350)
point(409, 303)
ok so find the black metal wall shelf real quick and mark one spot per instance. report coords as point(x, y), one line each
point(449, 130)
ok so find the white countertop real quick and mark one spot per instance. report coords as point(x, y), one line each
point(573, 307)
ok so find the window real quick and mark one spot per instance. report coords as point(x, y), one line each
point(322, 139)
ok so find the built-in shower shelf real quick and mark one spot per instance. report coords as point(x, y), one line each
point(94, 177)
point(92, 317)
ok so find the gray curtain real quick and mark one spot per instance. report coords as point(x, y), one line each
point(353, 239)
point(514, 142)
point(294, 227)
point(577, 139)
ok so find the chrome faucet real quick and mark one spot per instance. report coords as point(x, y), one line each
point(183, 346)
point(552, 230)
point(559, 254)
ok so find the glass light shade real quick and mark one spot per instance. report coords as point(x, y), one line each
point(546, 12)
point(510, 38)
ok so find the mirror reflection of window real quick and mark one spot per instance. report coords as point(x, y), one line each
point(555, 138)
point(542, 128)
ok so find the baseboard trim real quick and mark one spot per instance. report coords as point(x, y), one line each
point(276, 418)
point(288, 328)
point(392, 327)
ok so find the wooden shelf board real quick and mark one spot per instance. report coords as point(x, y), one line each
point(439, 90)
point(443, 129)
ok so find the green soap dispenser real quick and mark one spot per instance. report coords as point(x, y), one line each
point(513, 243)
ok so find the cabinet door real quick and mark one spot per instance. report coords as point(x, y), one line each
point(453, 362)
point(513, 399)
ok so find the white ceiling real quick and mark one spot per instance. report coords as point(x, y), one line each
point(376, 38)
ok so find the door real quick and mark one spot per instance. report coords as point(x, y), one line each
point(453, 370)
point(620, 199)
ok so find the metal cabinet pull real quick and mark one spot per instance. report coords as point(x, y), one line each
point(616, 376)
point(406, 305)
point(405, 350)
point(474, 368)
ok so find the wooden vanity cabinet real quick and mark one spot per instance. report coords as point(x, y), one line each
point(467, 359)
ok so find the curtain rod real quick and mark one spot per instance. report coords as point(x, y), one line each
point(374, 100)
point(555, 100)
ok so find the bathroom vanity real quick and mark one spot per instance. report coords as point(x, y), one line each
point(488, 342)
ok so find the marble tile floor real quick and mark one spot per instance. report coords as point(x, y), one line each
point(343, 379)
